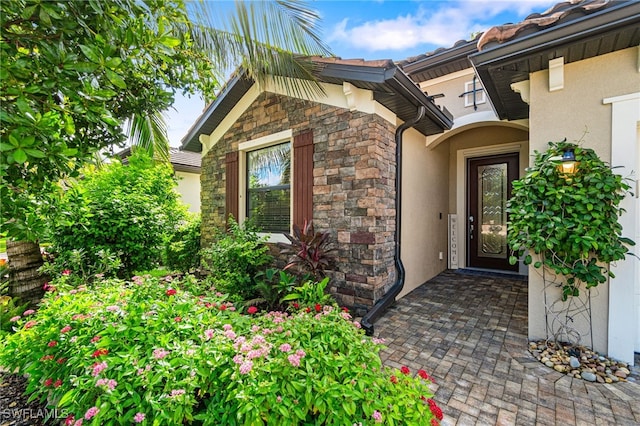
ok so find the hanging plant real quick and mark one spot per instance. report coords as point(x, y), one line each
point(570, 220)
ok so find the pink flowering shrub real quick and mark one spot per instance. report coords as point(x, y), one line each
point(136, 364)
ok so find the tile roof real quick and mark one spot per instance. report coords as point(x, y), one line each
point(185, 161)
point(556, 15)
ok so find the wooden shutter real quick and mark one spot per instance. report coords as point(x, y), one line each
point(232, 179)
point(303, 178)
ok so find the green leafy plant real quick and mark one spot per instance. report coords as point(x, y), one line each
point(310, 293)
point(272, 287)
point(309, 251)
point(150, 351)
point(236, 259)
point(569, 221)
point(182, 250)
point(128, 210)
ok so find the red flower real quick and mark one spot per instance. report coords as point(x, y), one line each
point(405, 370)
point(295, 305)
point(435, 422)
point(52, 343)
point(423, 374)
point(435, 409)
point(29, 324)
point(61, 360)
point(394, 380)
point(208, 305)
point(318, 307)
point(223, 307)
point(95, 339)
point(46, 358)
point(69, 420)
point(48, 382)
point(252, 310)
point(170, 292)
point(177, 319)
point(57, 384)
point(100, 352)
point(66, 272)
point(345, 309)
point(308, 309)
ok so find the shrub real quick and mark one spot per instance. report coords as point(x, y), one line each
point(152, 352)
point(309, 251)
point(182, 250)
point(236, 259)
point(128, 210)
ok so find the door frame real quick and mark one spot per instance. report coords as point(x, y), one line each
point(462, 155)
point(513, 171)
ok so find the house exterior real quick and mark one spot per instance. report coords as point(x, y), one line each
point(509, 92)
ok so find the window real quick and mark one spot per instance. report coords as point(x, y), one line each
point(474, 93)
point(268, 187)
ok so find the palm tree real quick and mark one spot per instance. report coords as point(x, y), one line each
point(272, 38)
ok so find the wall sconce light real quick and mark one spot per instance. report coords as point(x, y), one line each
point(569, 163)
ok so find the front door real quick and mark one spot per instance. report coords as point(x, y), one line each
point(489, 189)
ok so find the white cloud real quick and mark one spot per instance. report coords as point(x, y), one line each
point(436, 23)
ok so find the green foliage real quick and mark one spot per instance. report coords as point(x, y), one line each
point(182, 250)
point(126, 210)
point(310, 293)
point(76, 267)
point(236, 259)
point(309, 251)
point(72, 72)
point(151, 349)
point(272, 287)
point(570, 221)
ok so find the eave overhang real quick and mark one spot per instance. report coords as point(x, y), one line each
point(390, 86)
point(498, 66)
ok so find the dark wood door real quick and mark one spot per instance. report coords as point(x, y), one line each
point(489, 188)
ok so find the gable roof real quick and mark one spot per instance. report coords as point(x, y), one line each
point(391, 87)
point(575, 30)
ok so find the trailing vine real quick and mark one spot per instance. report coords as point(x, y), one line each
point(569, 220)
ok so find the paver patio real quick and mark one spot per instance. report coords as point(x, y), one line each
point(469, 332)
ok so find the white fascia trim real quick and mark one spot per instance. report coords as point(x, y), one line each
point(622, 98)
point(272, 139)
point(233, 116)
point(454, 75)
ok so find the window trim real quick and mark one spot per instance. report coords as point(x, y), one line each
point(252, 145)
point(481, 96)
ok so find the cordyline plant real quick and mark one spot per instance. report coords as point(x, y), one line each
point(569, 220)
point(308, 250)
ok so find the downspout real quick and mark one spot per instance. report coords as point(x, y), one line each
point(378, 309)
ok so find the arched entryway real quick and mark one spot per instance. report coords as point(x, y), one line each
point(484, 158)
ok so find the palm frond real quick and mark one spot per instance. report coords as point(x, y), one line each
point(149, 132)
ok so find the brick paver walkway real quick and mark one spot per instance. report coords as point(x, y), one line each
point(470, 333)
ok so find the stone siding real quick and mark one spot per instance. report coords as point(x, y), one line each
point(353, 188)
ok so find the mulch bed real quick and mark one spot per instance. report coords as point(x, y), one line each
point(14, 408)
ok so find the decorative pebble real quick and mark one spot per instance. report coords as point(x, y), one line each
point(573, 362)
point(579, 362)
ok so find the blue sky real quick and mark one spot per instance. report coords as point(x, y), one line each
point(389, 29)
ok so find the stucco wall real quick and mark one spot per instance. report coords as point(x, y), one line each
point(568, 113)
point(477, 136)
point(189, 189)
point(452, 87)
point(353, 188)
point(424, 210)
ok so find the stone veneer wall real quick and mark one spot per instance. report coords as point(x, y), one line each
point(353, 190)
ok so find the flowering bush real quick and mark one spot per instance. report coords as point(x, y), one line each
point(151, 352)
